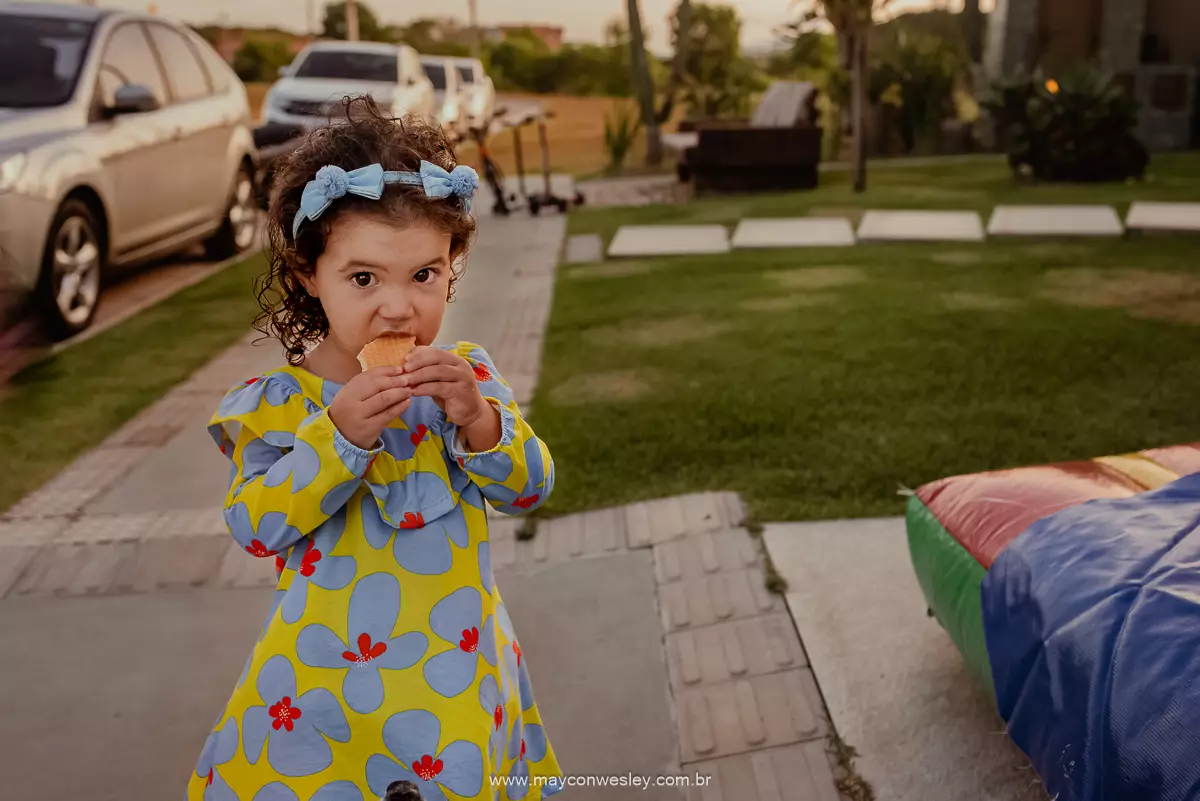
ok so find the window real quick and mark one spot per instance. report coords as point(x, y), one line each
point(40, 59)
point(436, 74)
point(348, 65)
point(218, 70)
point(184, 72)
point(129, 60)
point(466, 74)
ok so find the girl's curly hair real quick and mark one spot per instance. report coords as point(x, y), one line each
point(363, 134)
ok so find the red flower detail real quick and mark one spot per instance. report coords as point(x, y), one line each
point(517, 651)
point(412, 521)
point(280, 564)
point(223, 451)
point(419, 434)
point(371, 463)
point(525, 503)
point(482, 373)
point(470, 640)
point(256, 548)
point(254, 380)
point(309, 562)
point(285, 714)
point(208, 783)
point(462, 462)
point(522, 756)
point(427, 767)
point(366, 651)
point(498, 716)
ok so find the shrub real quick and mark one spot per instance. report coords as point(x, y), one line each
point(621, 129)
point(1078, 127)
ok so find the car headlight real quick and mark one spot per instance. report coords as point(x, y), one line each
point(11, 168)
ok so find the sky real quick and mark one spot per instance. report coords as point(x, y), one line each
point(584, 20)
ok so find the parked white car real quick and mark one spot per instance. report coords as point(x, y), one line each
point(477, 91)
point(312, 86)
point(448, 99)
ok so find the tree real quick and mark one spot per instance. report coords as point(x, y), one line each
point(718, 80)
point(972, 19)
point(852, 20)
point(644, 84)
point(369, 29)
point(260, 60)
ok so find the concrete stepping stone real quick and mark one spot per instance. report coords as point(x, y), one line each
point(921, 226)
point(584, 249)
point(669, 240)
point(794, 233)
point(1164, 216)
point(1055, 221)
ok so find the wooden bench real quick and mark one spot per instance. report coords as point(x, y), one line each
point(778, 148)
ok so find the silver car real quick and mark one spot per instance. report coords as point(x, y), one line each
point(477, 93)
point(122, 138)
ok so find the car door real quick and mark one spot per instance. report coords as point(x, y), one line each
point(134, 148)
point(415, 91)
point(200, 131)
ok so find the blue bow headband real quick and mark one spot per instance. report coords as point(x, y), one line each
point(332, 182)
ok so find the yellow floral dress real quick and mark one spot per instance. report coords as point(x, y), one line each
point(387, 654)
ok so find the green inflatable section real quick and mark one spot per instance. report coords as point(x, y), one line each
point(951, 579)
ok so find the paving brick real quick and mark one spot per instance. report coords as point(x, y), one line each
point(173, 563)
point(584, 249)
point(86, 478)
point(158, 424)
point(108, 528)
point(31, 531)
point(239, 569)
point(103, 563)
point(735, 717)
point(724, 596)
point(597, 533)
point(189, 523)
point(703, 511)
point(792, 773)
point(727, 651)
point(52, 570)
point(699, 555)
point(13, 561)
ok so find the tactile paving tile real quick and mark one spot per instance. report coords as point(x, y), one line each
point(108, 528)
point(51, 570)
point(739, 716)
point(793, 773)
point(189, 523)
point(31, 531)
point(755, 646)
point(173, 563)
point(103, 563)
point(13, 561)
point(653, 522)
point(716, 598)
point(699, 555)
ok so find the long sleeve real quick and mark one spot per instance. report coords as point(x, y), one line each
point(291, 468)
point(518, 474)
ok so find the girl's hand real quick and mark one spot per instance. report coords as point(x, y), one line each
point(368, 404)
point(450, 381)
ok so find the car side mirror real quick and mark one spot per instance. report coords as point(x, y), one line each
point(133, 98)
point(285, 70)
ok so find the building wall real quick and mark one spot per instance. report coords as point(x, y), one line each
point(1068, 33)
point(1175, 24)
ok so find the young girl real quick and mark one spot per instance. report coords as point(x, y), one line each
point(388, 655)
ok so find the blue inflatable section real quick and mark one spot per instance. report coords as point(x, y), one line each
point(1092, 621)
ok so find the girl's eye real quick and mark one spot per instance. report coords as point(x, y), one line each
point(423, 276)
point(362, 279)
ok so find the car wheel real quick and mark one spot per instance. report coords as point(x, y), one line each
point(72, 267)
point(240, 225)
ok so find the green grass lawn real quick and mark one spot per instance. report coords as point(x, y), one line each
point(819, 382)
point(55, 410)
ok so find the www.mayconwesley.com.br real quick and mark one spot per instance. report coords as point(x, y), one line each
point(630, 780)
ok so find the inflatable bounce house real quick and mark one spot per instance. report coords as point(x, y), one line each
point(1073, 593)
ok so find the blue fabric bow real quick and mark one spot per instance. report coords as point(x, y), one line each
point(332, 182)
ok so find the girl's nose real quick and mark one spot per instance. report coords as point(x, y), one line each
point(397, 305)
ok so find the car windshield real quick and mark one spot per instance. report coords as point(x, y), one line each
point(349, 65)
point(437, 76)
point(466, 74)
point(40, 59)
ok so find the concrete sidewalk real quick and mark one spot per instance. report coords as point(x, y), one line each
point(128, 612)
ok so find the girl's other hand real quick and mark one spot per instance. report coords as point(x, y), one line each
point(368, 403)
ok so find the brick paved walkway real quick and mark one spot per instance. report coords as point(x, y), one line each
point(654, 645)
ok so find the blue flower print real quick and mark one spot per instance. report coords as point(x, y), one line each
point(456, 619)
point(219, 748)
point(513, 661)
point(311, 406)
point(494, 701)
point(529, 746)
point(329, 391)
point(294, 729)
point(419, 490)
point(531, 495)
point(339, 496)
point(316, 566)
point(301, 466)
point(272, 528)
point(274, 389)
point(486, 577)
point(369, 647)
point(334, 791)
point(420, 547)
point(413, 738)
point(259, 455)
point(497, 466)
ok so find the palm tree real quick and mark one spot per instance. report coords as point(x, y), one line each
point(643, 83)
point(852, 20)
point(972, 20)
